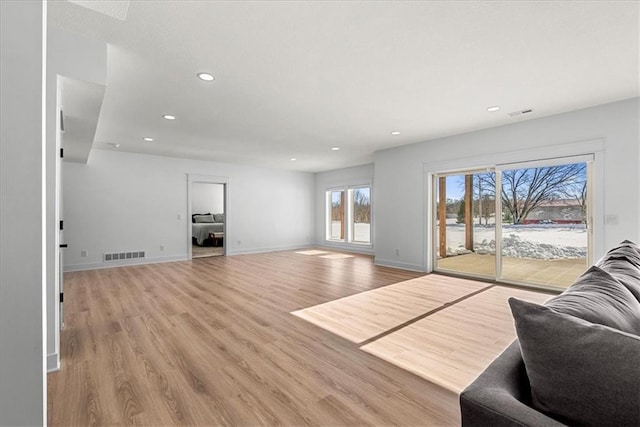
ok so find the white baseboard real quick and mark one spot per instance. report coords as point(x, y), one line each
point(400, 265)
point(345, 247)
point(123, 263)
point(53, 362)
point(155, 260)
point(231, 252)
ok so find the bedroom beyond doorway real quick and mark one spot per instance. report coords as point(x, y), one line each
point(207, 219)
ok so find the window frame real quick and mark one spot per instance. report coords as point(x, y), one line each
point(329, 211)
point(348, 213)
point(351, 214)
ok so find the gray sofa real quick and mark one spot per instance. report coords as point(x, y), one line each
point(577, 357)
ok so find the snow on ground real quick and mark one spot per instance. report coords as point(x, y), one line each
point(540, 241)
point(551, 241)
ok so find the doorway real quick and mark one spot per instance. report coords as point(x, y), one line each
point(207, 219)
point(534, 230)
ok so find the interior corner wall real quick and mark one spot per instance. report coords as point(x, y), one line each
point(401, 197)
point(122, 201)
point(356, 175)
point(207, 198)
point(23, 382)
point(74, 56)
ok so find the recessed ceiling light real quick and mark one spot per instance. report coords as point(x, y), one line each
point(168, 117)
point(206, 77)
point(293, 159)
point(335, 148)
point(395, 132)
point(148, 139)
point(493, 108)
point(113, 144)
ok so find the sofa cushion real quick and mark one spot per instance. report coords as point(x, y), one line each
point(580, 373)
point(599, 298)
point(623, 263)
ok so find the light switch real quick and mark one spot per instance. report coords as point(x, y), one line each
point(611, 219)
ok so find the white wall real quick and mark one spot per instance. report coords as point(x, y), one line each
point(23, 382)
point(122, 201)
point(400, 195)
point(84, 59)
point(340, 178)
point(207, 198)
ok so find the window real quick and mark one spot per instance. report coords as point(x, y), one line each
point(361, 214)
point(349, 215)
point(336, 215)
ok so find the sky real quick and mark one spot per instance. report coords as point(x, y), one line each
point(455, 186)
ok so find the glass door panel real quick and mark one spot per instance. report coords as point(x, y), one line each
point(465, 223)
point(544, 236)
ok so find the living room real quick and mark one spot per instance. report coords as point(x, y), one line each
point(135, 197)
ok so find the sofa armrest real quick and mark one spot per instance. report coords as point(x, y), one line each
point(499, 396)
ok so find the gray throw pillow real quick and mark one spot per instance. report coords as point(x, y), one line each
point(599, 298)
point(203, 218)
point(218, 217)
point(580, 373)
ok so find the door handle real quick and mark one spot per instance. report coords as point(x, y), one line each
point(64, 245)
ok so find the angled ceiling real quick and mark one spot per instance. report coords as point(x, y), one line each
point(81, 103)
point(294, 79)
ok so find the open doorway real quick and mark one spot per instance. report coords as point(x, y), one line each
point(207, 219)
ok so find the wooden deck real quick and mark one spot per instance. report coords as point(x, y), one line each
point(555, 273)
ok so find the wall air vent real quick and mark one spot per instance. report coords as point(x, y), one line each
point(520, 112)
point(117, 256)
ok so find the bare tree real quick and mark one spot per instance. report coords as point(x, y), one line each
point(362, 206)
point(523, 190)
point(579, 193)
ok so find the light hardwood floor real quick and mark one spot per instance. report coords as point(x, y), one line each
point(364, 316)
point(453, 346)
point(211, 342)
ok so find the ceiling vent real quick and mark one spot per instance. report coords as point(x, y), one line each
point(520, 112)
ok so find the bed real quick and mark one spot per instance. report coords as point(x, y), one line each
point(203, 225)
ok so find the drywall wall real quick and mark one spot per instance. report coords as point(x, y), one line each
point(207, 198)
point(400, 193)
point(83, 59)
point(126, 202)
point(341, 178)
point(23, 381)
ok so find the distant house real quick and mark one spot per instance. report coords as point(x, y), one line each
point(560, 211)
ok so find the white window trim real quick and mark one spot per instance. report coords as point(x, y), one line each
point(348, 241)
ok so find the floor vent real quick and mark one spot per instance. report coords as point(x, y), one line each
point(117, 256)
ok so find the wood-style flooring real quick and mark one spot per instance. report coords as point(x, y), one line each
point(364, 316)
point(453, 346)
point(211, 342)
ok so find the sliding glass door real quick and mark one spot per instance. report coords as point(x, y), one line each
point(465, 223)
point(533, 230)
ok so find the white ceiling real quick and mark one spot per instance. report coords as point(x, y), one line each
point(294, 79)
point(82, 102)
